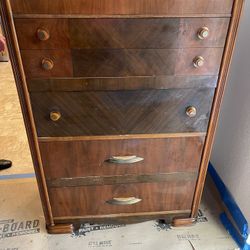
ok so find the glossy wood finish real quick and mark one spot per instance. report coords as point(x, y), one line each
point(113, 33)
point(139, 62)
point(121, 112)
point(157, 33)
point(32, 63)
point(60, 229)
point(91, 200)
point(121, 62)
point(121, 83)
point(87, 158)
point(122, 7)
point(99, 33)
point(27, 33)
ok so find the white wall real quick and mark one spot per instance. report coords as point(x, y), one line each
point(231, 152)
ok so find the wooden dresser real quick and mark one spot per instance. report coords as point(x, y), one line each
point(120, 99)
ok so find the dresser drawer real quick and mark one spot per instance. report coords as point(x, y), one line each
point(157, 33)
point(140, 62)
point(121, 112)
point(107, 157)
point(121, 62)
point(142, 197)
point(122, 7)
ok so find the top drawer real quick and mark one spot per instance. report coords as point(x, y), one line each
point(123, 7)
point(120, 33)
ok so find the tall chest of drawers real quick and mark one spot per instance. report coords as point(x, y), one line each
point(120, 100)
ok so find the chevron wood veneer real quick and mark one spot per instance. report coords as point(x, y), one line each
point(120, 100)
point(121, 112)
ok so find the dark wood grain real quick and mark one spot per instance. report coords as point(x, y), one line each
point(60, 229)
point(65, 202)
point(121, 112)
point(122, 7)
point(32, 63)
point(113, 33)
point(121, 83)
point(121, 62)
point(91, 200)
point(157, 33)
point(27, 33)
point(88, 158)
point(140, 62)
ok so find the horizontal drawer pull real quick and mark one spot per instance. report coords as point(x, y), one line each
point(124, 201)
point(125, 159)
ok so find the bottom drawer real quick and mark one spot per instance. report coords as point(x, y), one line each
point(126, 198)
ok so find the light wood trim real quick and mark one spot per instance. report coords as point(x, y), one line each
point(119, 137)
point(15, 57)
point(230, 43)
point(16, 16)
point(120, 179)
point(58, 219)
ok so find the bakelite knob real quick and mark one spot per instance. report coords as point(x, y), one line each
point(42, 34)
point(198, 61)
point(55, 115)
point(47, 64)
point(191, 111)
point(203, 33)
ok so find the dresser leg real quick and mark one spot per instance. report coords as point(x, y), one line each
point(180, 222)
point(60, 229)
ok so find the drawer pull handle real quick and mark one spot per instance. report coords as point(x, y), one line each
point(198, 61)
point(47, 64)
point(124, 201)
point(55, 116)
point(42, 34)
point(125, 159)
point(191, 111)
point(203, 33)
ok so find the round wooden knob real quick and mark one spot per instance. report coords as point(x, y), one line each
point(203, 33)
point(55, 116)
point(42, 34)
point(198, 61)
point(47, 64)
point(191, 111)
